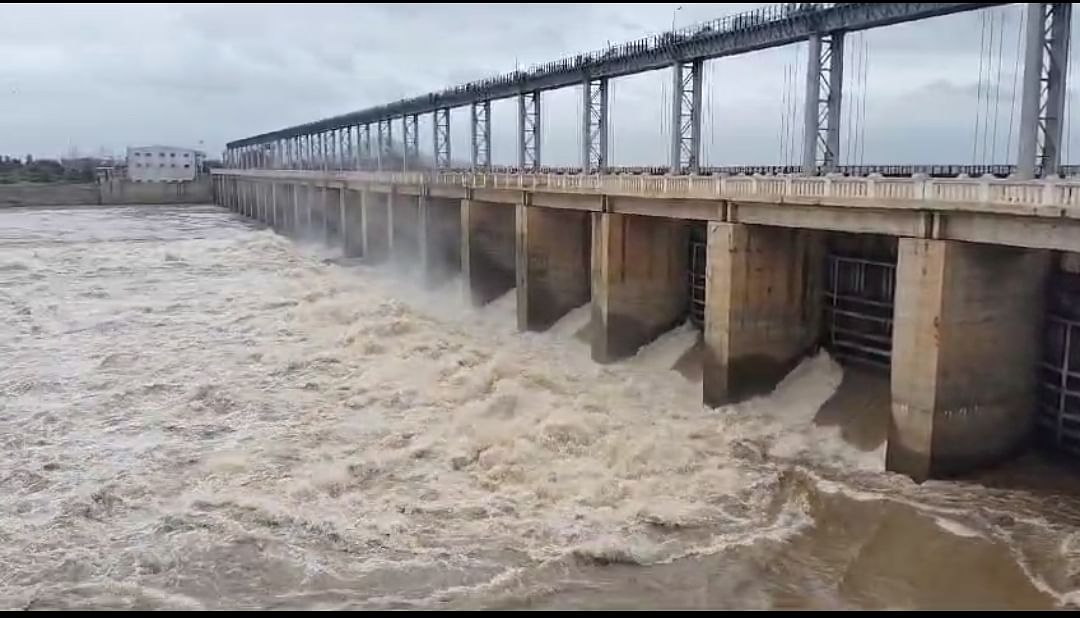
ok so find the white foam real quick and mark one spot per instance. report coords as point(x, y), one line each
point(572, 323)
point(301, 418)
point(956, 528)
point(667, 349)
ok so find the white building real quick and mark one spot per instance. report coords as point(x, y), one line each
point(162, 164)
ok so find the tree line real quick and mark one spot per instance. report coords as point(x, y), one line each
point(29, 169)
point(74, 169)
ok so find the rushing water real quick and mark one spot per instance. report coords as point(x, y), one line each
point(198, 413)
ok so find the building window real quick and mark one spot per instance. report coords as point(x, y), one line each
point(173, 165)
point(161, 154)
point(187, 165)
point(186, 155)
point(172, 154)
point(162, 165)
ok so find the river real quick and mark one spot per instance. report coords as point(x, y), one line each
point(197, 413)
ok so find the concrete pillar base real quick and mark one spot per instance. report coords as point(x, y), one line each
point(763, 307)
point(352, 227)
point(440, 239)
point(260, 202)
point(275, 206)
point(317, 213)
point(640, 281)
point(332, 212)
point(487, 250)
point(966, 340)
point(405, 231)
point(375, 223)
point(553, 255)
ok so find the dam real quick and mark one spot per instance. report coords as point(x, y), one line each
point(944, 284)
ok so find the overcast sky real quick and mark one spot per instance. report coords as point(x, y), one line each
point(108, 76)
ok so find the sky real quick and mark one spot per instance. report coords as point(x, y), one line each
point(87, 78)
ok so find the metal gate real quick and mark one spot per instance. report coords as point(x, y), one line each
point(698, 244)
point(859, 299)
point(1058, 418)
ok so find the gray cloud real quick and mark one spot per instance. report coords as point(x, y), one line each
point(109, 76)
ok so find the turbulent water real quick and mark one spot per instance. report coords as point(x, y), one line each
point(198, 413)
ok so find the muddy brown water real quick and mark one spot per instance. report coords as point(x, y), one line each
point(198, 413)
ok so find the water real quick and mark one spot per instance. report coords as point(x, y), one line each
point(198, 413)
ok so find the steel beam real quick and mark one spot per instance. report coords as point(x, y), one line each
point(410, 141)
point(594, 125)
point(368, 153)
point(761, 28)
point(480, 132)
point(824, 89)
point(529, 131)
point(385, 143)
point(440, 133)
point(686, 117)
point(349, 160)
point(1042, 102)
point(323, 151)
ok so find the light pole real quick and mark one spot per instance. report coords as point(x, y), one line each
point(676, 10)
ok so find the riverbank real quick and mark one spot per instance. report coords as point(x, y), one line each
point(116, 192)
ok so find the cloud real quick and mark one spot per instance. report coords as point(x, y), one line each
point(113, 75)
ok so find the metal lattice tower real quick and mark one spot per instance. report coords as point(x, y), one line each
point(529, 130)
point(384, 141)
point(351, 142)
point(410, 141)
point(824, 91)
point(340, 161)
point(594, 156)
point(1042, 111)
point(345, 139)
point(686, 117)
point(333, 149)
point(480, 131)
point(367, 152)
point(329, 139)
point(355, 137)
point(441, 138)
point(339, 154)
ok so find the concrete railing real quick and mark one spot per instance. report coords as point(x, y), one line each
point(844, 190)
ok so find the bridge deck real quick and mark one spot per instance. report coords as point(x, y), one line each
point(1034, 213)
